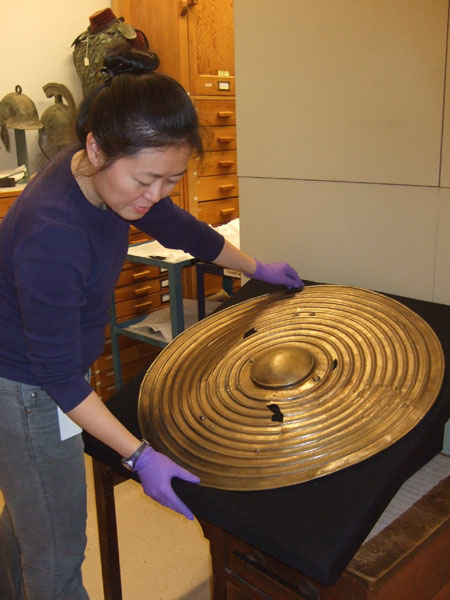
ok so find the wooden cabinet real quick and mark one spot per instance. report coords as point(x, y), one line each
point(194, 40)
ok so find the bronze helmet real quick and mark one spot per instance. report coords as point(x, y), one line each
point(17, 111)
point(58, 120)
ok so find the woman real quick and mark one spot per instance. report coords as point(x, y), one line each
point(62, 246)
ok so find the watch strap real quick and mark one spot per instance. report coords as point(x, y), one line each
point(130, 462)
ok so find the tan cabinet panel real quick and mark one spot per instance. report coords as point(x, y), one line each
point(368, 235)
point(445, 162)
point(347, 91)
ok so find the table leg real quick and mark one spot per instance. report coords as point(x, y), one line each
point(107, 530)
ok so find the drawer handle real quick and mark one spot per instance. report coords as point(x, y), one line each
point(143, 290)
point(227, 211)
point(225, 114)
point(141, 274)
point(226, 163)
point(225, 140)
point(143, 304)
point(226, 187)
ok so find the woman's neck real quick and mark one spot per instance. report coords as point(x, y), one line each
point(84, 175)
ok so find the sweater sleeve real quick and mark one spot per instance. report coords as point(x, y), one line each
point(175, 228)
point(50, 267)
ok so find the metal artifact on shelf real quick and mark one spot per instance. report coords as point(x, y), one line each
point(105, 33)
point(288, 387)
point(18, 112)
point(58, 120)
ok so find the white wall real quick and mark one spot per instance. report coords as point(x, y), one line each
point(343, 120)
point(35, 49)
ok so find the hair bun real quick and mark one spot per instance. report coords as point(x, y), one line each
point(128, 60)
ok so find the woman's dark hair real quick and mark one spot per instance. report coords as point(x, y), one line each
point(137, 108)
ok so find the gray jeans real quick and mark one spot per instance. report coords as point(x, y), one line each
point(43, 523)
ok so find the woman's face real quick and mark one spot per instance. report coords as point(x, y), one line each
point(130, 186)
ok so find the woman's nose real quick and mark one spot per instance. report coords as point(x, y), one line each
point(153, 192)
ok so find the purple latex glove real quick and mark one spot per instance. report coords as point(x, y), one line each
point(155, 471)
point(279, 273)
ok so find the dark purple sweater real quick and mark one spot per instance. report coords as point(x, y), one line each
point(60, 258)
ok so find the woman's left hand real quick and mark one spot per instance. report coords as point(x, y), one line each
point(279, 273)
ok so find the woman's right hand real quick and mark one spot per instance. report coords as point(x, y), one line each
point(155, 471)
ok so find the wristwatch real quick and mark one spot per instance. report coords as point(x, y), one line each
point(130, 462)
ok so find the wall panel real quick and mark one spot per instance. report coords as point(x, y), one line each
point(375, 236)
point(341, 90)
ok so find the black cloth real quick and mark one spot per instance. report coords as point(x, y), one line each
point(317, 526)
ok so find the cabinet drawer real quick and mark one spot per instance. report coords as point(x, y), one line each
point(137, 290)
point(136, 236)
point(132, 353)
point(221, 138)
point(139, 306)
point(237, 590)
point(129, 370)
point(214, 283)
point(216, 112)
point(106, 389)
point(218, 212)
point(137, 273)
point(217, 186)
point(271, 578)
point(5, 204)
point(124, 342)
point(216, 163)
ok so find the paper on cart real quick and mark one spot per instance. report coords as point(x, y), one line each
point(158, 321)
point(156, 250)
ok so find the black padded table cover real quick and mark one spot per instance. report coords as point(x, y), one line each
point(315, 527)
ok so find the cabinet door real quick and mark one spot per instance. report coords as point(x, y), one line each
point(165, 25)
point(211, 46)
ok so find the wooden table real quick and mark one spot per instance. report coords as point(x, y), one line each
point(313, 529)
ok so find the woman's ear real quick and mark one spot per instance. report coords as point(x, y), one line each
point(94, 152)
